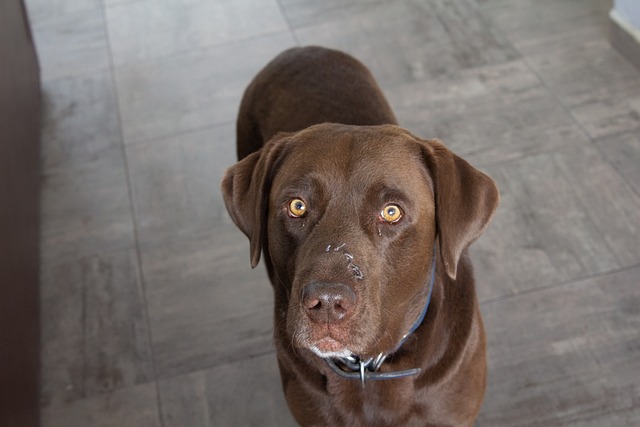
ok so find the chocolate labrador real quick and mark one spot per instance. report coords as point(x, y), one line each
point(364, 229)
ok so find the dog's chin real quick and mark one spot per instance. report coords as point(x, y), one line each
point(329, 347)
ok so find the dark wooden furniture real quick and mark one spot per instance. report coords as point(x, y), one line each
point(19, 230)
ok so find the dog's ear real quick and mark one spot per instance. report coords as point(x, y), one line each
point(245, 189)
point(465, 201)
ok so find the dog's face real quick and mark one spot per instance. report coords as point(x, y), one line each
point(347, 217)
point(351, 225)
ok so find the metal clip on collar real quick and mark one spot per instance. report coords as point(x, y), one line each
point(366, 369)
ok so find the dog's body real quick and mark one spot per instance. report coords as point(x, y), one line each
point(353, 214)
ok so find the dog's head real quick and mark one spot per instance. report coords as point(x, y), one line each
point(347, 218)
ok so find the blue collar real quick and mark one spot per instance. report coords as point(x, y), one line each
point(353, 367)
point(420, 319)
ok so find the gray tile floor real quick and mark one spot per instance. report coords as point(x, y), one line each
point(151, 315)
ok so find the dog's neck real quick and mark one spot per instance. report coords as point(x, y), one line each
point(354, 367)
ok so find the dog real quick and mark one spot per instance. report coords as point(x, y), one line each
point(364, 230)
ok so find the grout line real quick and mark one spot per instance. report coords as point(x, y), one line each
point(201, 50)
point(601, 150)
point(555, 97)
point(223, 363)
point(292, 31)
point(140, 273)
point(188, 235)
point(179, 133)
point(83, 339)
point(111, 66)
point(513, 159)
point(616, 135)
point(557, 285)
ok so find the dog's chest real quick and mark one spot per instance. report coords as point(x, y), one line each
point(380, 402)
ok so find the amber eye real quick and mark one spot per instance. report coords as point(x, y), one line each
point(297, 208)
point(391, 213)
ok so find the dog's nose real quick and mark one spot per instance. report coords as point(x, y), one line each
point(328, 302)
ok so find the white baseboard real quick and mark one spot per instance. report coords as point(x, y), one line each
point(625, 37)
point(625, 25)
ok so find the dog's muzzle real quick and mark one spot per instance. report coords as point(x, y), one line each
point(353, 367)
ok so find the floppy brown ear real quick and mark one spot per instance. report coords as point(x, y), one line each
point(465, 201)
point(245, 189)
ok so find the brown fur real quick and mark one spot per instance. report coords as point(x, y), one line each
point(314, 125)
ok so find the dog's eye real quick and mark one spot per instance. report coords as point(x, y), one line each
point(297, 208)
point(391, 213)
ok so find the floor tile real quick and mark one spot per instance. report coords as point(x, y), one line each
point(148, 29)
point(539, 21)
point(303, 13)
point(191, 91)
point(118, 2)
point(206, 305)
point(598, 86)
point(566, 356)
point(407, 41)
point(244, 393)
point(130, 407)
point(508, 79)
point(176, 182)
point(70, 44)
point(577, 62)
point(487, 114)
point(42, 10)
point(80, 120)
point(605, 114)
point(94, 330)
point(85, 209)
point(555, 222)
point(624, 153)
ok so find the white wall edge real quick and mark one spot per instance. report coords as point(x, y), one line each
point(625, 25)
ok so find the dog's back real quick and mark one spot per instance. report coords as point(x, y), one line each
point(309, 81)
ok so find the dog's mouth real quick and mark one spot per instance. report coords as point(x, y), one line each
point(336, 341)
point(329, 347)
